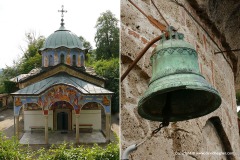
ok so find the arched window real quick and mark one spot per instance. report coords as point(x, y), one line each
point(51, 61)
point(74, 62)
point(62, 58)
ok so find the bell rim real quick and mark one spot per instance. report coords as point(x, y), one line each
point(178, 118)
point(200, 83)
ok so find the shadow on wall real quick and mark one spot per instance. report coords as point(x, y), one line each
point(214, 134)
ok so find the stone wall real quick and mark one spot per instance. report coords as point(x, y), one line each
point(195, 138)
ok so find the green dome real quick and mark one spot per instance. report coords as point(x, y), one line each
point(62, 38)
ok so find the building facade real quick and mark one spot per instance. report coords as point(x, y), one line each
point(63, 95)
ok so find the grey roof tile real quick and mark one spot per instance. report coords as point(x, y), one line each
point(83, 86)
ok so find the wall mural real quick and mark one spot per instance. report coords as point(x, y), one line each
point(79, 61)
point(61, 105)
point(68, 57)
point(63, 93)
point(19, 101)
point(45, 61)
point(55, 58)
point(32, 106)
point(92, 106)
point(68, 60)
point(99, 99)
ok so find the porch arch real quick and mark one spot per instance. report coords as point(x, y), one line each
point(27, 106)
point(62, 115)
point(53, 102)
point(103, 107)
point(106, 118)
point(18, 108)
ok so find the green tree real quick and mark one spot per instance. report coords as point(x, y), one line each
point(7, 73)
point(107, 36)
point(86, 44)
point(10, 87)
point(31, 63)
point(10, 72)
point(110, 70)
point(30, 59)
point(90, 58)
point(34, 44)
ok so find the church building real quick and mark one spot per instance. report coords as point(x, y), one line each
point(63, 95)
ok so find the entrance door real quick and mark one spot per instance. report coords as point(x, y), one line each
point(62, 121)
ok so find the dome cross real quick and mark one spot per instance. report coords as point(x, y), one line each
point(62, 24)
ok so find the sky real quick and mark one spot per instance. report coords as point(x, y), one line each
point(42, 18)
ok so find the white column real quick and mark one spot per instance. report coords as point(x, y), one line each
point(46, 129)
point(17, 126)
point(77, 128)
point(108, 127)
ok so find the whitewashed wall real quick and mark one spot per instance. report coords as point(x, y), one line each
point(36, 118)
point(89, 117)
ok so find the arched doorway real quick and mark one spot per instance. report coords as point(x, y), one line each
point(62, 116)
point(62, 121)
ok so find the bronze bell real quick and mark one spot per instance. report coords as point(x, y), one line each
point(177, 91)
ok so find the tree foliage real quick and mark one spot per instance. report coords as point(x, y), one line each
point(86, 44)
point(107, 36)
point(10, 86)
point(9, 149)
point(110, 70)
point(30, 60)
point(105, 59)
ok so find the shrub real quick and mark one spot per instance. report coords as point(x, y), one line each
point(63, 152)
point(10, 149)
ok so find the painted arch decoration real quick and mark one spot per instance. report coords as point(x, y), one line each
point(104, 100)
point(62, 93)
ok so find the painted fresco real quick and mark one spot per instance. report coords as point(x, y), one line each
point(32, 106)
point(92, 106)
point(63, 93)
point(19, 101)
point(68, 60)
point(61, 105)
point(98, 99)
point(45, 61)
point(105, 101)
point(56, 58)
point(79, 61)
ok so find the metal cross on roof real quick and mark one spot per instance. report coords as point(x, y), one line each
point(62, 24)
